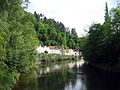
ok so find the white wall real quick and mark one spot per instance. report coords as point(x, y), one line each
point(56, 51)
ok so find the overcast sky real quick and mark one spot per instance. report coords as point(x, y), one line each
point(77, 14)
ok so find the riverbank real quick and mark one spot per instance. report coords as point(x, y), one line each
point(44, 58)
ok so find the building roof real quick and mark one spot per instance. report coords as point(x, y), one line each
point(53, 47)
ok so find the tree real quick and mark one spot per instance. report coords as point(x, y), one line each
point(73, 32)
point(102, 45)
point(18, 42)
point(107, 17)
point(51, 32)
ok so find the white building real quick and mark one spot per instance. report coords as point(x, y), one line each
point(56, 50)
point(42, 49)
point(71, 52)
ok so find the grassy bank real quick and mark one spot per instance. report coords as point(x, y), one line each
point(55, 57)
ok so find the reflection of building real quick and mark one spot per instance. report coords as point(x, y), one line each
point(56, 50)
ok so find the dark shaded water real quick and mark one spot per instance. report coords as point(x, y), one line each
point(68, 76)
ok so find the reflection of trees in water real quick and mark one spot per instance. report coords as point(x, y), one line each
point(27, 82)
point(69, 79)
point(57, 80)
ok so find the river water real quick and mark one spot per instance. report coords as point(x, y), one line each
point(67, 75)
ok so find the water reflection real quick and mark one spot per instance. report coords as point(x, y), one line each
point(44, 69)
point(68, 76)
point(58, 76)
point(101, 80)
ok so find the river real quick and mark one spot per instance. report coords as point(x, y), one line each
point(67, 75)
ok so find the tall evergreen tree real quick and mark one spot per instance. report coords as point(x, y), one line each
point(107, 17)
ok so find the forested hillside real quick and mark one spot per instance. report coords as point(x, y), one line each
point(51, 32)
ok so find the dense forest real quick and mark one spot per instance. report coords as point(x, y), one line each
point(54, 33)
point(17, 42)
point(101, 47)
point(20, 34)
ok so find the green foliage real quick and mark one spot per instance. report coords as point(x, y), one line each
point(20, 33)
point(107, 17)
point(55, 57)
point(53, 33)
point(18, 42)
point(102, 45)
point(7, 78)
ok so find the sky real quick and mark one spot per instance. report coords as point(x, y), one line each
point(79, 14)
